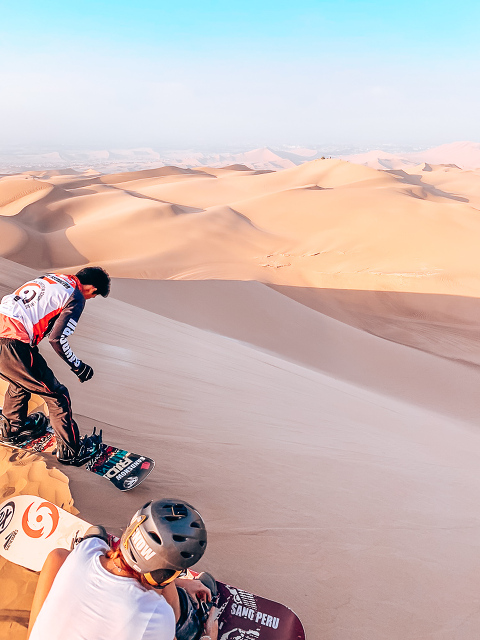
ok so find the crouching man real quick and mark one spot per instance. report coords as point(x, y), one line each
point(48, 305)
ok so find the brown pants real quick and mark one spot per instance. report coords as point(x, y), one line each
point(27, 372)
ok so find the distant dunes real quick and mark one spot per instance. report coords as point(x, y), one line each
point(465, 155)
point(326, 223)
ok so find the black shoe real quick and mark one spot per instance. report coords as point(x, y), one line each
point(90, 446)
point(35, 427)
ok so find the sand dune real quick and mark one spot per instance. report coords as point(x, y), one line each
point(299, 352)
point(327, 223)
point(116, 160)
point(463, 155)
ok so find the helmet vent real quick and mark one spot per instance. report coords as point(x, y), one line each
point(202, 543)
point(195, 525)
point(177, 511)
point(178, 538)
point(132, 555)
point(155, 536)
point(185, 554)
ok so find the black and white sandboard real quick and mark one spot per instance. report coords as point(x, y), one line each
point(124, 469)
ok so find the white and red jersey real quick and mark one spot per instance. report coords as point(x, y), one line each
point(52, 303)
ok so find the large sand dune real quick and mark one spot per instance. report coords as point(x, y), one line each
point(463, 155)
point(299, 352)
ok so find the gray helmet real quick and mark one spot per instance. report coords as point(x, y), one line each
point(164, 538)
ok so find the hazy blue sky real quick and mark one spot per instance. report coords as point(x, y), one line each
point(149, 73)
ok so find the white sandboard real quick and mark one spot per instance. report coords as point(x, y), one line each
point(27, 519)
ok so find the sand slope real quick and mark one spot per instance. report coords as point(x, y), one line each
point(258, 344)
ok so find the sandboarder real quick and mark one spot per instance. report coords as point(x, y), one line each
point(48, 305)
point(103, 592)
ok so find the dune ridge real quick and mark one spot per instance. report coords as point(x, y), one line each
point(327, 223)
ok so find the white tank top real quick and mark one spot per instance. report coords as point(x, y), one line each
point(86, 602)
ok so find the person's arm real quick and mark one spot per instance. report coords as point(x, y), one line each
point(210, 629)
point(170, 594)
point(52, 564)
point(199, 591)
point(63, 327)
point(195, 588)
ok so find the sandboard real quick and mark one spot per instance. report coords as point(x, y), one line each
point(31, 527)
point(245, 616)
point(124, 469)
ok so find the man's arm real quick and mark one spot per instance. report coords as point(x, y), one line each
point(64, 326)
point(195, 588)
point(52, 565)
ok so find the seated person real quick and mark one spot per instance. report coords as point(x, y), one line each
point(133, 589)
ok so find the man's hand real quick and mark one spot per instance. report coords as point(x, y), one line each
point(196, 589)
point(83, 372)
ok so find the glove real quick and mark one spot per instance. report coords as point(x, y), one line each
point(83, 372)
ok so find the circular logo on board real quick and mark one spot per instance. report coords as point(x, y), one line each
point(6, 515)
point(43, 519)
point(130, 482)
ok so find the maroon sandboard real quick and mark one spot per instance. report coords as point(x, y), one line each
point(245, 616)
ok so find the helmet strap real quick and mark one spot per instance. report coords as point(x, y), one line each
point(132, 528)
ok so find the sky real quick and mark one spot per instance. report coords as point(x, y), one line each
point(115, 74)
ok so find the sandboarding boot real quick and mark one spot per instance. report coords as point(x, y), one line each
point(190, 625)
point(35, 427)
point(90, 446)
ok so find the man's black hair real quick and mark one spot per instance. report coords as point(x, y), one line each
point(96, 276)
